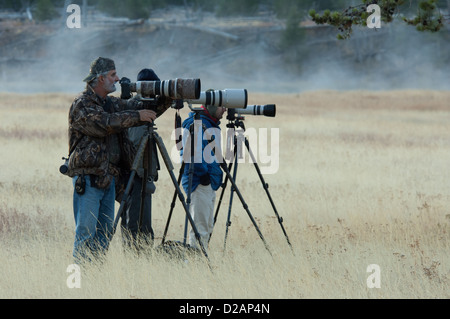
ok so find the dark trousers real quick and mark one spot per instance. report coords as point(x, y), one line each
point(131, 234)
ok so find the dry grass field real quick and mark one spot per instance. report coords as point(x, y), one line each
point(363, 179)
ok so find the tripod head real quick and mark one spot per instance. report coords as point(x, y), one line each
point(235, 119)
point(195, 109)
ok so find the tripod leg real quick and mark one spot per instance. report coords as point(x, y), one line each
point(142, 201)
point(172, 205)
point(266, 188)
point(224, 186)
point(191, 176)
point(244, 204)
point(168, 163)
point(228, 224)
point(124, 202)
point(137, 160)
point(146, 191)
point(186, 221)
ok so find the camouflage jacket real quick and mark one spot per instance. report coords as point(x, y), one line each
point(90, 128)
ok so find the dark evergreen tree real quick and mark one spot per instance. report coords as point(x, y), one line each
point(428, 17)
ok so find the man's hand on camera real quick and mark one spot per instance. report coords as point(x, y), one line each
point(147, 115)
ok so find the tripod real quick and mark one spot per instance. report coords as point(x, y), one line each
point(229, 177)
point(144, 155)
point(238, 122)
point(192, 134)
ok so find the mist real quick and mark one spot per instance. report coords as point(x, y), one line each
point(393, 57)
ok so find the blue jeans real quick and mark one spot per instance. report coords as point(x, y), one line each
point(94, 220)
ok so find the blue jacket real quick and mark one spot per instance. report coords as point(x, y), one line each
point(205, 163)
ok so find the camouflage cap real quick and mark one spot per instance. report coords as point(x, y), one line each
point(99, 66)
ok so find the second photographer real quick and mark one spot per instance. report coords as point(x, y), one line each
point(207, 176)
point(130, 222)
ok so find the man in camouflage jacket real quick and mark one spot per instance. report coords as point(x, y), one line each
point(100, 151)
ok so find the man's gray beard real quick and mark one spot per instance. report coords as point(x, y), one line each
point(113, 88)
point(110, 88)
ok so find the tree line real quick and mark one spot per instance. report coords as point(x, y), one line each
point(343, 14)
point(144, 8)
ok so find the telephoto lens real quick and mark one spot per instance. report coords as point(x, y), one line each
point(229, 98)
point(174, 89)
point(266, 110)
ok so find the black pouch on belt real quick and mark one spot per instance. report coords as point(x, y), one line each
point(80, 185)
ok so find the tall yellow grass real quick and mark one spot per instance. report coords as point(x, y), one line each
point(364, 179)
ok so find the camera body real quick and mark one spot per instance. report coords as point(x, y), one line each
point(152, 103)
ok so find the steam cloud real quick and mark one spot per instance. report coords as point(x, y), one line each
point(393, 57)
